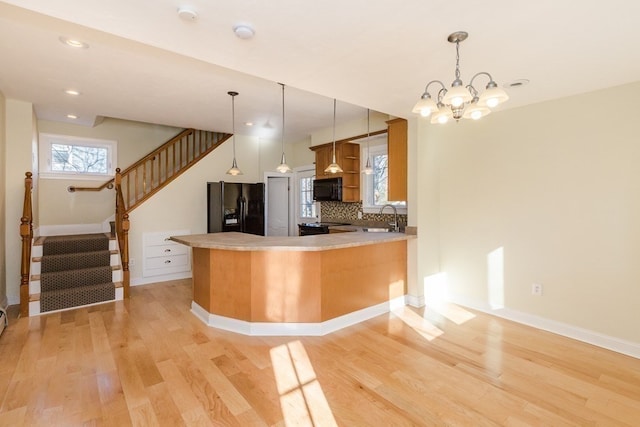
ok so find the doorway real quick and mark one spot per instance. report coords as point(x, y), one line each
point(277, 206)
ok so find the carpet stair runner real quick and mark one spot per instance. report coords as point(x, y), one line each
point(75, 270)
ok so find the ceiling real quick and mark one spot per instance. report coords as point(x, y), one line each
point(145, 63)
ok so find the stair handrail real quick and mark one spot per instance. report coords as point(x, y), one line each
point(152, 154)
point(122, 232)
point(26, 233)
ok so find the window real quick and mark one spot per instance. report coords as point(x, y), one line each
point(63, 156)
point(307, 205)
point(375, 185)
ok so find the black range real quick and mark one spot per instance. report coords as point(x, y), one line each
point(311, 228)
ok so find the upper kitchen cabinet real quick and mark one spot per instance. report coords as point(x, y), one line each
point(348, 157)
point(397, 150)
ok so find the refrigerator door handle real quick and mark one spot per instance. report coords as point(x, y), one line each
point(243, 214)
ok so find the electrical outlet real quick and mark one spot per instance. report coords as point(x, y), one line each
point(359, 214)
point(536, 289)
point(132, 262)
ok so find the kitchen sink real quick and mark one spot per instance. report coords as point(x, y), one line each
point(376, 229)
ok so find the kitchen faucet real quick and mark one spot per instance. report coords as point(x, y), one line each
point(395, 216)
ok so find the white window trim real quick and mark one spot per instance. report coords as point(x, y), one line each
point(375, 147)
point(44, 150)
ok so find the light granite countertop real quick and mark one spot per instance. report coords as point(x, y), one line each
point(248, 242)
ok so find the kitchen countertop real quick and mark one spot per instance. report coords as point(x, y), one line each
point(320, 242)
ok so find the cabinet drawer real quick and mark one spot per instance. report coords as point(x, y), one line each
point(165, 250)
point(161, 237)
point(168, 264)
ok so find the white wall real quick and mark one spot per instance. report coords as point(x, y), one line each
point(556, 186)
point(3, 144)
point(19, 130)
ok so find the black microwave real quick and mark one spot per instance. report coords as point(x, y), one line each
point(328, 189)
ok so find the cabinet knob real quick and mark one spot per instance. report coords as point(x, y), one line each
point(167, 250)
point(168, 261)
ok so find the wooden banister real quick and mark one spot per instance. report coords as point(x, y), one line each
point(26, 233)
point(74, 188)
point(141, 180)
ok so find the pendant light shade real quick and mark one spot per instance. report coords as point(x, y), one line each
point(234, 170)
point(334, 167)
point(368, 170)
point(283, 167)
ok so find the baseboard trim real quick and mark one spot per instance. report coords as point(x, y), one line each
point(138, 281)
point(416, 300)
point(585, 335)
point(294, 329)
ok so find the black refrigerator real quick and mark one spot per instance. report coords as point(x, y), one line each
point(234, 206)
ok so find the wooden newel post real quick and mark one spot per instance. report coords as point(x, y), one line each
point(25, 266)
point(125, 254)
point(26, 234)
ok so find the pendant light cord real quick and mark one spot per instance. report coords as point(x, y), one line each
point(233, 124)
point(282, 84)
point(334, 130)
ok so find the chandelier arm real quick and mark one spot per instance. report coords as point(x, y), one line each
point(481, 73)
point(426, 89)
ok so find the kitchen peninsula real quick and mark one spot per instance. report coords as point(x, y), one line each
point(308, 285)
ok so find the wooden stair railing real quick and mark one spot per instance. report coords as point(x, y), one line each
point(150, 174)
point(26, 233)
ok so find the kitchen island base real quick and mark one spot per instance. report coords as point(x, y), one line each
point(297, 292)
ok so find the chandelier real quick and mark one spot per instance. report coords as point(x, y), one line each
point(459, 101)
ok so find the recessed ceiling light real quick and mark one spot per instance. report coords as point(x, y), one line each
point(517, 83)
point(248, 123)
point(78, 44)
point(243, 31)
point(187, 14)
point(72, 92)
point(72, 116)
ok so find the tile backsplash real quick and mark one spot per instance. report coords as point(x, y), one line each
point(349, 211)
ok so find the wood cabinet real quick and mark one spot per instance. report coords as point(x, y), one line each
point(348, 157)
point(397, 150)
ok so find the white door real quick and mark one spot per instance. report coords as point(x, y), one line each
point(277, 206)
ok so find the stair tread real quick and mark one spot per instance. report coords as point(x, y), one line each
point(36, 277)
point(36, 297)
point(39, 241)
point(39, 258)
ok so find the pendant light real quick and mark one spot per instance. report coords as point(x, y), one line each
point(283, 167)
point(368, 170)
point(234, 166)
point(334, 167)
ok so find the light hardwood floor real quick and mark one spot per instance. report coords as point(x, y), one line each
point(148, 361)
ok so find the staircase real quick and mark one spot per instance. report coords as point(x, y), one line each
point(75, 270)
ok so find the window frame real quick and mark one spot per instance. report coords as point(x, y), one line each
point(46, 140)
point(376, 147)
point(298, 201)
